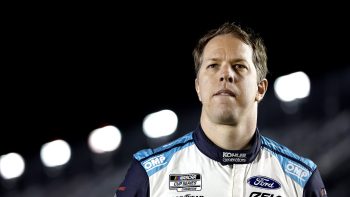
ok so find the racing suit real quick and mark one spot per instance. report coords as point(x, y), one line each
point(193, 166)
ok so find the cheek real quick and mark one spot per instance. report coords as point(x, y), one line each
point(251, 89)
point(205, 87)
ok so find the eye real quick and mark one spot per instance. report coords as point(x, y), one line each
point(211, 65)
point(239, 66)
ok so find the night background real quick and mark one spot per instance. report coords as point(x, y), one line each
point(66, 72)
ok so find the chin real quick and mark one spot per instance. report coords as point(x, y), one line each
point(225, 118)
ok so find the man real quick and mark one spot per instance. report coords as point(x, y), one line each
point(226, 155)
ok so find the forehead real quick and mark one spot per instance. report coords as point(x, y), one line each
point(227, 46)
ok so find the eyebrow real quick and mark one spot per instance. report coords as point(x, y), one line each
point(232, 61)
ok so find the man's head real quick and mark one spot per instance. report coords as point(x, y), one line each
point(231, 70)
point(254, 41)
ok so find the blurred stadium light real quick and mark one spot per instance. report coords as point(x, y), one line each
point(12, 165)
point(293, 86)
point(105, 139)
point(55, 153)
point(160, 124)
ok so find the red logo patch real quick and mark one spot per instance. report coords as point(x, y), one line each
point(121, 188)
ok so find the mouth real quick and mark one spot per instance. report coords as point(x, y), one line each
point(225, 92)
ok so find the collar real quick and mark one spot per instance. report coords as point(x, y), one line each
point(226, 157)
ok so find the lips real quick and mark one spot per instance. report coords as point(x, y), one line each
point(224, 92)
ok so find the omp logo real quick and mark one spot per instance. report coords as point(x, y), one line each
point(297, 170)
point(154, 162)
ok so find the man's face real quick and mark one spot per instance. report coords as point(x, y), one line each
point(227, 81)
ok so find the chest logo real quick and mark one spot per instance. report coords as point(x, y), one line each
point(263, 182)
point(234, 157)
point(185, 182)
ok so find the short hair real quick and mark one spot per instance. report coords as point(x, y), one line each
point(247, 36)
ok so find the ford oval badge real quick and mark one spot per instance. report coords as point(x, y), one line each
point(263, 182)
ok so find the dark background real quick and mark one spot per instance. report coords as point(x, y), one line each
point(68, 71)
point(65, 72)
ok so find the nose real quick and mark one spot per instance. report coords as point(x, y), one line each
point(226, 74)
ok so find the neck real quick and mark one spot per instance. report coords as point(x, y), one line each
point(229, 137)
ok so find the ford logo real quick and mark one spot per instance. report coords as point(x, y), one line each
point(263, 182)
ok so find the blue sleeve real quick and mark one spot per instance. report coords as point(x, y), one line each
point(136, 182)
point(315, 187)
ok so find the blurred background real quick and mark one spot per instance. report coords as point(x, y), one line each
point(78, 83)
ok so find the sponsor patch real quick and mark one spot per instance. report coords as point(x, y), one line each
point(260, 194)
point(154, 162)
point(185, 182)
point(234, 157)
point(297, 170)
point(263, 182)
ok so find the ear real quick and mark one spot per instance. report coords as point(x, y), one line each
point(196, 83)
point(262, 87)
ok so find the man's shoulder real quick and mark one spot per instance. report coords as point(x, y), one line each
point(155, 159)
point(287, 153)
point(172, 146)
point(297, 167)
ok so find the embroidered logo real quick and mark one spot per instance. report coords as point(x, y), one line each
point(154, 162)
point(263, 182)
point(185, 182)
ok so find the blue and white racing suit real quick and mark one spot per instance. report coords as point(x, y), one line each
point(193, 166)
